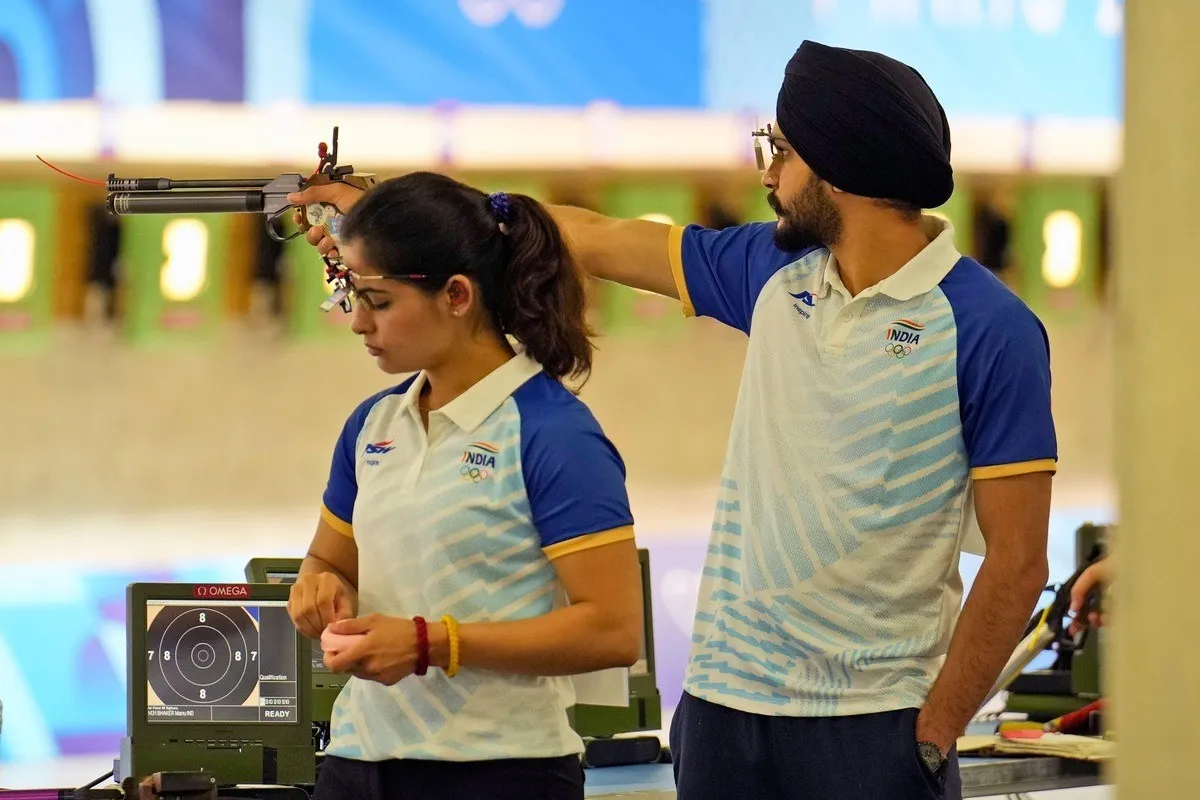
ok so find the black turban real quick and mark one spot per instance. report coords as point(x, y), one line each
point(867, 124)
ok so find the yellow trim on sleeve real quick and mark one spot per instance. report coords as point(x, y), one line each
point(1008, 470)
point(675, 251)
point(587, 542)
point(336, 522)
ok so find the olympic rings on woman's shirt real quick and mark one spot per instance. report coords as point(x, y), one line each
point(474, 474)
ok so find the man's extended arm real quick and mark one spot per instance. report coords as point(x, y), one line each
point(629, 251)
point(1013, 515)
point(634, 252)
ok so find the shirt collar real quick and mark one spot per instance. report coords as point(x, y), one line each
point(920, 275)
point(472, 407)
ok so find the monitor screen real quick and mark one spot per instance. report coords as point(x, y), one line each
point(220, 661)
point(318, 655)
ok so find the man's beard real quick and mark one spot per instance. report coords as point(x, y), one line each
point(810, 220)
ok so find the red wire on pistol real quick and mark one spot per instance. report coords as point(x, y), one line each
point(322, 151)
point(69, 175)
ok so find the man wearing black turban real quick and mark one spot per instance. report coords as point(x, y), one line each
point(894, 392)
point(865, 134)
point(867, 125)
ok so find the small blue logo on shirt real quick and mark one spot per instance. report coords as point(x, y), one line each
point(807, 299)
point(378, 449)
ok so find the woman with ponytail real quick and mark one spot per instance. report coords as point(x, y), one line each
point(464, 506)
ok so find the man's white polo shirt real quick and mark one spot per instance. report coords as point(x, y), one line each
point(831, 585)
point(465, 520)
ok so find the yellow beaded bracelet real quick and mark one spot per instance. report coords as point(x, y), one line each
point(452, 632)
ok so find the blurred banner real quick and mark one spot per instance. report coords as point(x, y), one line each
point(1006, 58)
point(526, 84)
point(529, 52)
point(1014, 58)
point(515, 52)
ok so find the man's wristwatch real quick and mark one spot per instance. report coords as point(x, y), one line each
point(932, 755)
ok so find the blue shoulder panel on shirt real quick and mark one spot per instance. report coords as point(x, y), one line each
point(574, 476)
point(1003, 370)
point(342, 487)
point(726, 270)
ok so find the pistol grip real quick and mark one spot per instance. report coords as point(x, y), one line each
point(326, 215)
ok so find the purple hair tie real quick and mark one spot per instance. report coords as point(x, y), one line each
point(498, 201)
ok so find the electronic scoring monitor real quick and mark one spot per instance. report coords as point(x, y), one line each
point(218, 680)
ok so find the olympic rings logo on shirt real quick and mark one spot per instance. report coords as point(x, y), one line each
point(898, 350)
point(474, 474)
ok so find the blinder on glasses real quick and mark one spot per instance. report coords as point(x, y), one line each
point(760, 136)
point(344, 283)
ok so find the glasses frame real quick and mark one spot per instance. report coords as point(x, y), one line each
point(343, 281)
point(760, 157)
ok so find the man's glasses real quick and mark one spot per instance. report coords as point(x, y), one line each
point(759, 136)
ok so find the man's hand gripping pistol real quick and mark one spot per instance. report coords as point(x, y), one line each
point(267, 196)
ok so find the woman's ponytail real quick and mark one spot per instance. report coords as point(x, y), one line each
point(423, 228)
point(544, 300)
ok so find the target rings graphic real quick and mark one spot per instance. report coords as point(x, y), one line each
point(202, 656)
point(898, 350)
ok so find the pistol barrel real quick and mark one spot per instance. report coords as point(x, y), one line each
point(190, 202)
point(115, 184)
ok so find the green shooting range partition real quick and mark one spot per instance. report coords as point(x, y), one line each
point(28, 240)
point(1056, 232)
point(305, 289)
point(173, 273)
point(632, 311)
point(756, 208)
point(959, 211)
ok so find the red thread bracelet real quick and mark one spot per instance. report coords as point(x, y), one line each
point(422, 646)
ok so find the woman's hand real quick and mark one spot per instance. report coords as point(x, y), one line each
point(386, 653)
point(318, 599)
